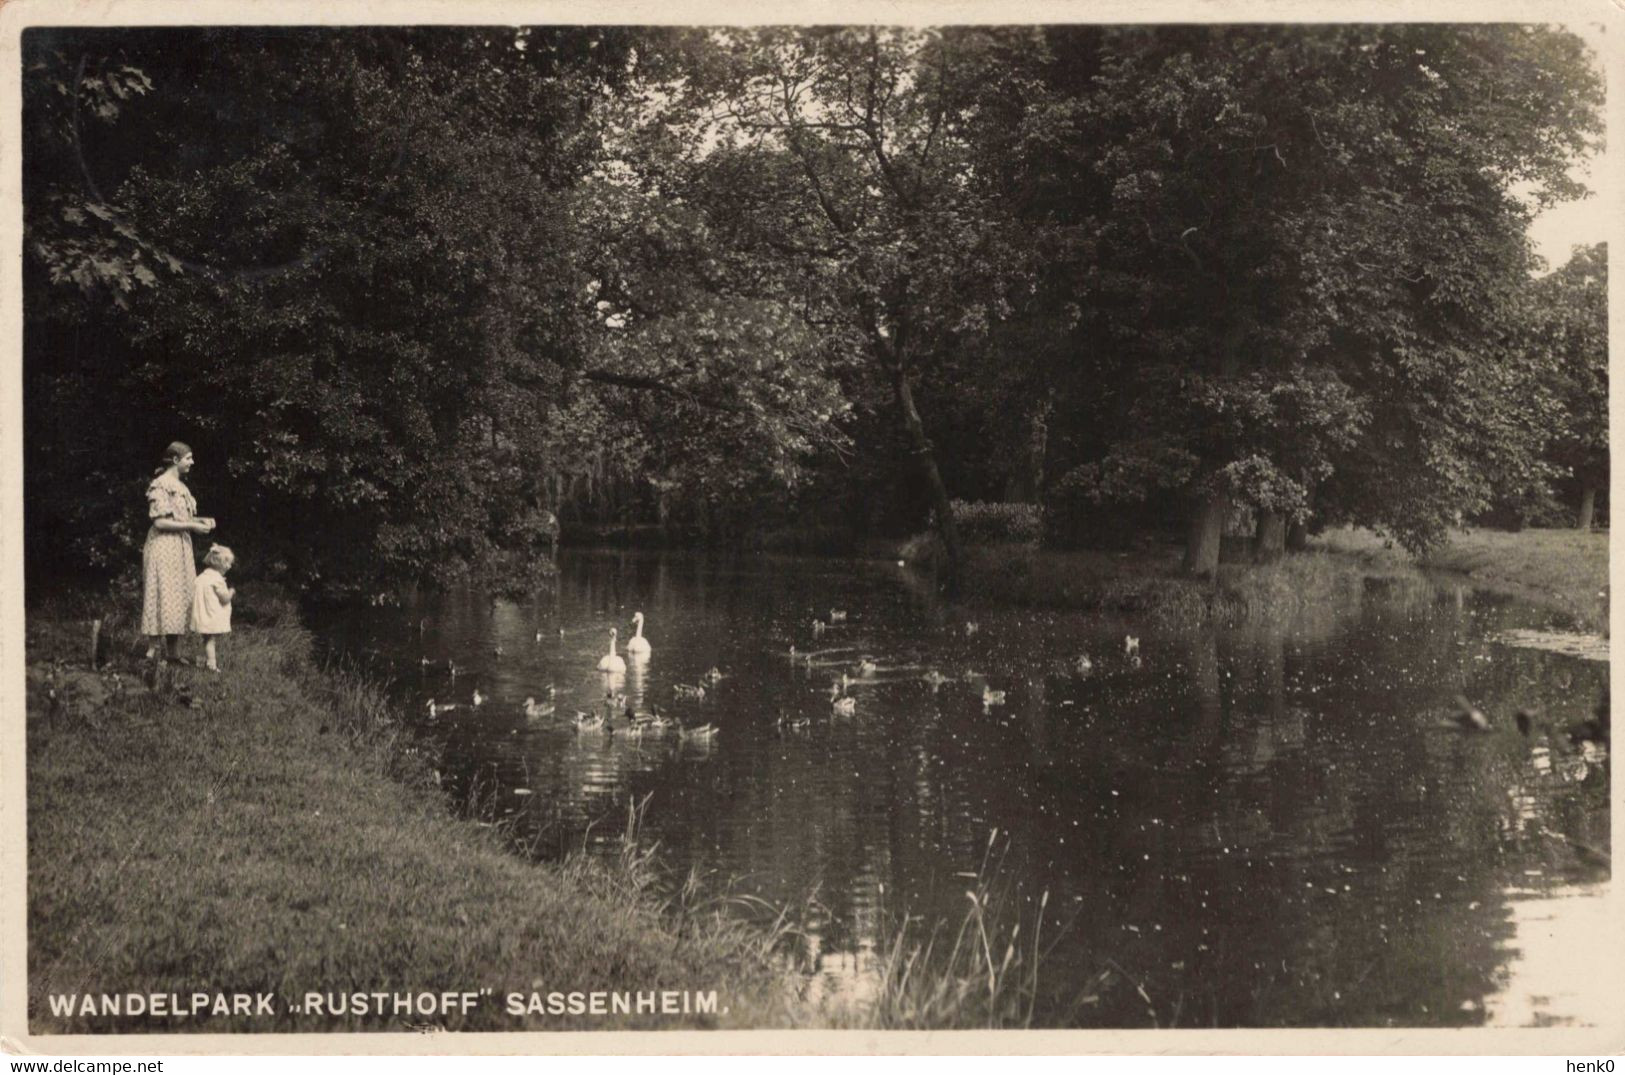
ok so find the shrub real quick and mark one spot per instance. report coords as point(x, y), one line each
point(983, 523)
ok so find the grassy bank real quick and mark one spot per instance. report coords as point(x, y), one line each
point(1561, 569)
point(274, 829)
point(280, 835)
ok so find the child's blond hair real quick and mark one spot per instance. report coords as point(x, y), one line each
point(219, 557)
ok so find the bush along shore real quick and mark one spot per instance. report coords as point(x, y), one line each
point(206, 855)
point(238, 841)
point(1564, 570)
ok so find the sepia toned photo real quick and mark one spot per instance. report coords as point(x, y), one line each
point(537, 525)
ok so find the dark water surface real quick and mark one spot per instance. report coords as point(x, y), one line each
point(1263, 825)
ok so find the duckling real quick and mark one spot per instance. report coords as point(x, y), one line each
point(845, 706)
point(867, 666)
point(971, 627)
point(792, 722)
point(479, 699)
point(837, 615)
point(497, 651)
point(1131, 645)
point(435, 710)
point(936, 679)
point(817, 626)
point(684, 690)
point(714, 676)
point(991, 697)
point(535, 709)
point(1468, 717)
point(424, 662)
point(1085, 665)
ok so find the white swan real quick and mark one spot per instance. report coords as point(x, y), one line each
point(611, 661)
point(637, 645)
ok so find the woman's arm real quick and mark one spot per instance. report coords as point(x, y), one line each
point(170, 525)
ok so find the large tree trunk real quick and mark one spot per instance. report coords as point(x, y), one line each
point(1026, 485)
point(1207, 528)
point(1297, 536)
point(1269, 540)
point(946, 527)
point(1588, 508)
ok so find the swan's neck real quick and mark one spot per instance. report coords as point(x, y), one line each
point(639, 621)
point(612, 643)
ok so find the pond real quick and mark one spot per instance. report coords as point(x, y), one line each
point(1263, 825)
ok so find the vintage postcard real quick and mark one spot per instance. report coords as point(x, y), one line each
point(591, 528)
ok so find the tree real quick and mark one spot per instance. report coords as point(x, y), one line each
point(836, 156)
point(1298, 250)
point(1570, 330)
point(360, 271)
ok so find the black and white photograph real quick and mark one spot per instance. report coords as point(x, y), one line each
point(906, 522)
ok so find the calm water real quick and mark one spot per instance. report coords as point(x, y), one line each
point(1258, 826)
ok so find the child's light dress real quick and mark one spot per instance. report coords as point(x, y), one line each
point(211, 611)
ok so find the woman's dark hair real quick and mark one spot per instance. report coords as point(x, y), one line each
point(173, 454)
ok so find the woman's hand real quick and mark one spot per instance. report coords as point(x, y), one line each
point(202, 526)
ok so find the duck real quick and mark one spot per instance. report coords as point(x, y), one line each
point(497, 651)
point(535, 709)
point(587, 722)
point(817, 626)
point(837, 615)
point(538, 636)
point(793, 722)
point(936, 678)
point(699, 731)
point(435, 710)
point(867, 666)
point(611, 662)
point(1468, 717)
point(845, 706)
point(1595, 730)
point(1131, 645)
point(714, 676)
point(1085, 665)
point(991, 697)
point(637, 645)
point(479, 699)
point(652, 721)
point(686, 690)
point(971, 627)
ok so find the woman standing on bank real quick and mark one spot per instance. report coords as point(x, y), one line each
point(168, 568)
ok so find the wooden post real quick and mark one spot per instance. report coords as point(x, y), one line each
point(95, 642)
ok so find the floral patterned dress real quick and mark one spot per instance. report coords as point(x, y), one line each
point(169, 571)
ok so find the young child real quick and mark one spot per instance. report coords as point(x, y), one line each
point(211, 601)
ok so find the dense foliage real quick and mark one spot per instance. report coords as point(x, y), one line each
point(413, 293)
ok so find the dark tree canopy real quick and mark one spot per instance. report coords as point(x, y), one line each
point(411, 291)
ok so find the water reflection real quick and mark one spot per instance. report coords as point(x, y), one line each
point(1264, 825)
